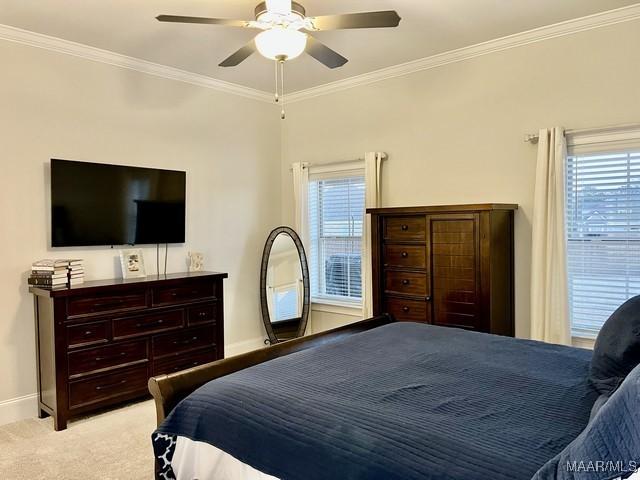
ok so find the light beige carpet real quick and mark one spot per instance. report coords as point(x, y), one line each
point(115, 445)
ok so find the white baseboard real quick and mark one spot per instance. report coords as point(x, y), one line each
point(242, 347)
point(21, 408)
point(18, 408)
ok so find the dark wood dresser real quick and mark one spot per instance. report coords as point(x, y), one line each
point(99, 342)
point(445, 265)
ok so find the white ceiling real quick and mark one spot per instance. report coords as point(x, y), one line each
point(428, 27)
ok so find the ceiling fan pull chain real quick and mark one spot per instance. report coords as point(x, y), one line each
point(277, 82)
point(282, 114)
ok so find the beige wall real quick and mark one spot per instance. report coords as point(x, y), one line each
point(54, 105)
point(454, 134)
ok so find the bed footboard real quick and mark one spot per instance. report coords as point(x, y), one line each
point(169, 390)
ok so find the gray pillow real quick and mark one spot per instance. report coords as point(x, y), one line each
point(617, 348)
point(609, 447)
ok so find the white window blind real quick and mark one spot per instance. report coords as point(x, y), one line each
point(336, 214)
point(603, 233)
point(286, 302)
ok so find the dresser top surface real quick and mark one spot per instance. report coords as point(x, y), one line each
point(151, 280)
point(471, 207)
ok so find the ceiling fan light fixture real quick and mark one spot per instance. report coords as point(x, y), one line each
point(280, 43)
point(280, 7)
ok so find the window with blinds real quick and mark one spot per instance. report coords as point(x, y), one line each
point(603, 234)
point(285, 300)
point(336, 214)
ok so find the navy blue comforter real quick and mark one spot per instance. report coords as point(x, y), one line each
point(403, 401)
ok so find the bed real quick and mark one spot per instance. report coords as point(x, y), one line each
point(376, 400)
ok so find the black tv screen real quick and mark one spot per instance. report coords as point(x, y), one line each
point(100, 204)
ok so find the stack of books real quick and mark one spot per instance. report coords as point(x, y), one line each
point(56, 273)
point(49, 273)
point(76, 272)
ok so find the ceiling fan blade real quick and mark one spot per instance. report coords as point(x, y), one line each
point(240, 56)
point(388, 18)
point(324, 54)
point(203, 20)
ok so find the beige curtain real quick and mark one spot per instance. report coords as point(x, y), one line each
point(301, 201)
point(372, 170)
point(549, 293)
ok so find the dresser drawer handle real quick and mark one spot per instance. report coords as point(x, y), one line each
point(88, 332)
point(404, 254)
point(185, 342)
point(203, 314)
point(405, 228)
point(121, 354)
point(405, 282)
point(405, 309)
point(151, 324)
point(110, 385)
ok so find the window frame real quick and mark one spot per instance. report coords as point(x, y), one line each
point(603, 142)
point(331, 303)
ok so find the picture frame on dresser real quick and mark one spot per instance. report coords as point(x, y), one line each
point(132, 263)
point(98, 343)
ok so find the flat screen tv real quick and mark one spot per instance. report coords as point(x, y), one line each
point(101, 204)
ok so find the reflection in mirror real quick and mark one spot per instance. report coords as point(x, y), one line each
point(283, 286)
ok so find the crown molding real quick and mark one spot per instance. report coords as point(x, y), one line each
point(568, 27)
point(33, 39)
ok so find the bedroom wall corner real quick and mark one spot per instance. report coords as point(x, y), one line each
point(454, 133)
point(61, 106)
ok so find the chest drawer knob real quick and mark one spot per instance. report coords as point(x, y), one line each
point(88, 332)
point(405, 309)
point(404, 254)
point(404, 227)
point(405, 282)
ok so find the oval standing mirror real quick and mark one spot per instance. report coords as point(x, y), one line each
point(284, 286)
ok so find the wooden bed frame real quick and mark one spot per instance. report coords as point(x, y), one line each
point(169, 390)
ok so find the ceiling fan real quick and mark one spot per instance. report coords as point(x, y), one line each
point(284, 36)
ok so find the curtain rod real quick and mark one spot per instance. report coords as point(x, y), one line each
point(534, 137)
point(340, 162)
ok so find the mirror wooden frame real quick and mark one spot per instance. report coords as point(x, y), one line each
point(306, 297)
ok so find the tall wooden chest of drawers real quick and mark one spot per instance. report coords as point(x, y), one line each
point(445, 265)
point(99, 342)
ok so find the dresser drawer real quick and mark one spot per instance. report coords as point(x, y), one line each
point(189, 339)
point(87, 334)
point(146, 324)
point(109, 356)
point(183, 293)
point(107, 302)
point(412, 228)
point(126, 383)
point(176, 363)
point(203, 314)
point(412, 256)
point(408, 310)
point(407, 283)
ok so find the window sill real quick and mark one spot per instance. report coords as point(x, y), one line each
point(583, 342)
point(336, 306)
